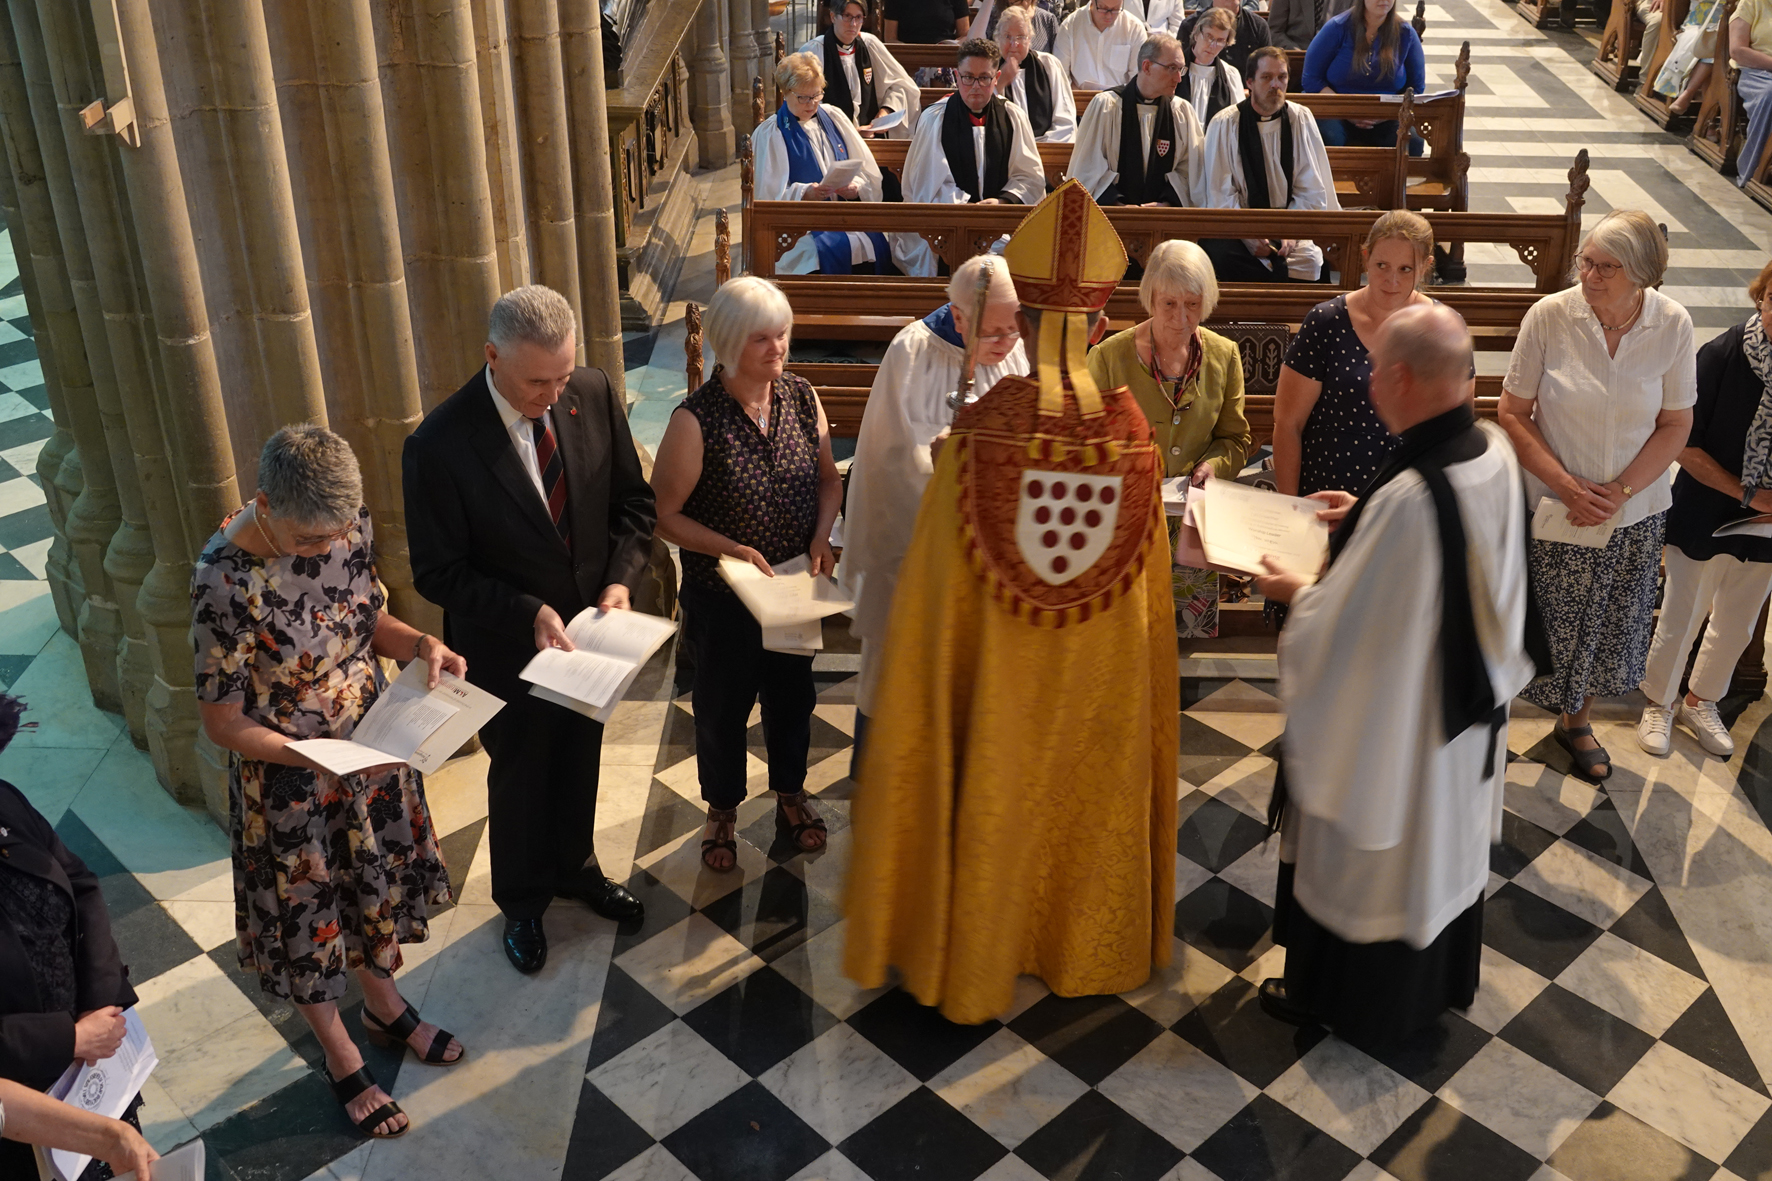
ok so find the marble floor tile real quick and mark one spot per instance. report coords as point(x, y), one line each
point(55, 686)
point(1702, 1109)
point(1582, 883)
point(49, 777)
point(1511, 1092)
point(236, 1064)
point(1631, 983)
point(838, 1083)
point(169, 849)
point(1614, 1145)
point(1504, 988)
point(1256, 873)
point(210, 924)
point(184, 1006)
point(1008, 1088)
point(655, 1164)
point(164, 1126)
point(1547, 798)
point(689, 963)
point(1178, 1091)
point(668, 1079)
point(1013, 1168)
point(678, 865)
point(1342, 1091)
point(816, 966)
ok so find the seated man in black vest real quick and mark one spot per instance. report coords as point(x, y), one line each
point(1266, 153)
point(1141, 143)
point(973, 147)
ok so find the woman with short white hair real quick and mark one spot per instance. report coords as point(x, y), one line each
point(1035, 81)
point(1598, 402)
point(745, 471)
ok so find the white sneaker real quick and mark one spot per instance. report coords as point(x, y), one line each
point(1655, 729)
point(1704, 721)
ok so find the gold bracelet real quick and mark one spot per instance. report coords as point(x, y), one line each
point(1628, 493)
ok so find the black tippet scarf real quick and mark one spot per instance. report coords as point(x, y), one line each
point(1144, 177)
point(861, 111)
point(1255, 160)
point(956, 144)
point(1039, 91)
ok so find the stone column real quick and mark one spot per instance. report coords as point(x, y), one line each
point(764, 34)
point(436, 138)
point(742, 59)
point(189, 407)
point(547, 149)
point(503, 164)
point(330, 95)
point(593, 189)
point(84, 359)
point(710, 89)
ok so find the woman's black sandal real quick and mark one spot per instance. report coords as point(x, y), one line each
point(1585, 760)
point(793, 831)
point(710, 845)
point(352, 1085)
point(395, 1033)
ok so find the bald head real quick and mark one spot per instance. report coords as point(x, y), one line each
point(1421, 365)
point(997, 330)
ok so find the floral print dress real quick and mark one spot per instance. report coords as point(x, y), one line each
point(331, 874)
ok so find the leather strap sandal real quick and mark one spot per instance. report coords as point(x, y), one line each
point(354, 1084)
point(1585, 760)
point(795, 831)
point(395, 1033)
point(712, 845)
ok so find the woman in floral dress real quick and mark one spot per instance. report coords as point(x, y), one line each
point(331, 873)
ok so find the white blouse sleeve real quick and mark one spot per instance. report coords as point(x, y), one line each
point(1525, 368)
point(1679, 385)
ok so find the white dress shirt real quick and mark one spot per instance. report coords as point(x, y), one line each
point(522, 431)
point(1597, 411)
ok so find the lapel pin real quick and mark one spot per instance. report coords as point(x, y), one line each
point(572, 410)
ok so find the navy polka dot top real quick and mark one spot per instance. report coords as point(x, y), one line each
point(1344, 442)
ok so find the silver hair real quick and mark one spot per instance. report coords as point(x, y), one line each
point(741, 307)
point(1634, 239)
point(310, 476)
point(797, 69)
point(1013, 15)
point(1155, 44)
point(963, 287)
point(1179, 267)
point(534, 314)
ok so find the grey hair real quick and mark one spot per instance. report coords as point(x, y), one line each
point(310, 476)
point(837, 6)
point(1634, 239)
point(797, 69)
point(742, 306)
point(1155, 44)
point(1012, 15)
point(535, 314)
point(963, 287)
point(1179, 267)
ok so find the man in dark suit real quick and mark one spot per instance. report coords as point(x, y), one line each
point(525, 505)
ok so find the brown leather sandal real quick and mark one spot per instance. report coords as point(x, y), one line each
point(711, 845)
point(796, 831)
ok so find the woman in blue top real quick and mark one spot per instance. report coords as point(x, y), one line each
point(1366, 50)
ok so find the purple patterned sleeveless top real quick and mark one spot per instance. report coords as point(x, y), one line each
point(761, 491)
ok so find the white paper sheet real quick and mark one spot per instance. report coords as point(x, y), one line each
point(794, 595)
point(886, 122)
point(842, 173)
point(590, 677)
point(795, 639)
point(611, 648)
point(105, 1088)
point(409, 723)
point(630, 636)
point(1760, 526)
point(402, 718)
point(184, 1163)
point(1239, 525)
point(1175, 496)
point(1550, 522)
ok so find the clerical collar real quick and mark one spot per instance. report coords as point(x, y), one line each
point(1261, 118)
point(1460, 417)
point(845, 50)
point(977, 120)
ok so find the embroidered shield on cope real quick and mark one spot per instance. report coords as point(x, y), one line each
point(1162, 147)
point(1064, 522)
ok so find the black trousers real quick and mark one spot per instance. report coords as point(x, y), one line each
point(733, 673)
point(541, 801)
point(1232, 263)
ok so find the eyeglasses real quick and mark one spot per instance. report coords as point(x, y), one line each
point(1172, 67)
point(807, 98)
point(1104, 9)
point(1000, 337)
point(1604, 270)
point(977, 79)
point(1015, 39)
point(854, 18)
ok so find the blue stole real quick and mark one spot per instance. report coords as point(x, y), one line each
point(941, 322)
point(803, 168)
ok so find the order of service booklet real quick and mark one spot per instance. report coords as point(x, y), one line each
point(104, 1088)
point(1238, 525)
point(408, 723)
point(791, 606)
point(609, 649)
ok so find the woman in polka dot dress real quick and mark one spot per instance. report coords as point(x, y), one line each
point(1326, 435)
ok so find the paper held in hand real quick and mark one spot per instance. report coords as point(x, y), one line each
point(184, 1163)
point(408, 724)
point(1759, 525)
point(609, 649)
point(1239, 525)
point(104, 1089)
point(1550, 522)
point(843, 173)
point(886, 122)
point(788, 606)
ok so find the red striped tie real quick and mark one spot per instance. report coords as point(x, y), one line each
point(553, 474)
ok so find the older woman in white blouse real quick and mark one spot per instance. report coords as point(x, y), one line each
point(1598, 402)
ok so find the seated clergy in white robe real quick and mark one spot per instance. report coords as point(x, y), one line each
point(907, 408)
point(1159, 16)
point(1034, 81)
point(973, 146)
point(1212, 82)
point(1099, 43)
point(861, 78)
point(1294, 174)
point(1141, 144)
point(1396, 671)
point(794, 150)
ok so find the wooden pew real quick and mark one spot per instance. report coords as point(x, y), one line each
point(1615, 61)
point(1721, 123)
point(1644, 98)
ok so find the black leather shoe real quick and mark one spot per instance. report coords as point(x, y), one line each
point(526, 945)
point(1276, 1004)
point(607, 897)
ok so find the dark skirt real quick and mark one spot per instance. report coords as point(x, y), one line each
point(1376, 994)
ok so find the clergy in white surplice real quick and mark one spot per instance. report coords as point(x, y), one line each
point(906, 409)
point(794, 150)
point(861, 78)
point(1294, 175)
point(1099, 43)
point(974, 147)
point(1141, 143)
point(1212, 82)
point(1035, 81)
point(1397, 667)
